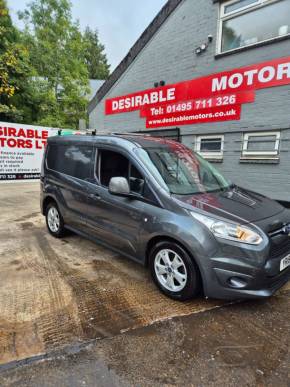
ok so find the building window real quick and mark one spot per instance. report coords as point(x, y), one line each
point(210, 147)
point(247, 22)
point(261, 145)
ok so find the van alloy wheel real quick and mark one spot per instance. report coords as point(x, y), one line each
point(174, 271)
point(53, 219)
point(170, 270)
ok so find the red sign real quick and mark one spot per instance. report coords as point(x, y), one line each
point(222, 90)
point(22, 138)
point(198, 104)
point(206, 115)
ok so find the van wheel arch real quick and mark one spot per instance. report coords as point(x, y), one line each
point(158, 239)
point(46, 202)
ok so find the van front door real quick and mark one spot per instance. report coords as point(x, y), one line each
point(115, 220)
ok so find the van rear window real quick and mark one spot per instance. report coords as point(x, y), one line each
point(72, 160)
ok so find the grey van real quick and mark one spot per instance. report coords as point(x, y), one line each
point(159, 203)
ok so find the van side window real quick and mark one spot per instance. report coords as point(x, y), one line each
point(114, 164)
point(73, 160)
point(136, 181)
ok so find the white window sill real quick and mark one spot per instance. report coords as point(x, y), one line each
point(213, 159)
point(259, 160)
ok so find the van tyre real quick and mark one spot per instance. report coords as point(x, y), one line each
point(174, 271)
point(54, 220)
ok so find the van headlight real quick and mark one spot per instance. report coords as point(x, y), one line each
point(231, 231)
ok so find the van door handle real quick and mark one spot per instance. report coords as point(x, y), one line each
point(95, 196)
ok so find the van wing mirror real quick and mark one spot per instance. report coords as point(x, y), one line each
point(119, 186)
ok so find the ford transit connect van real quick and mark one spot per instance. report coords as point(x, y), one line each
point(164, 206)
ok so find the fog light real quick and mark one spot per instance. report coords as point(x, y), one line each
point(237, 282)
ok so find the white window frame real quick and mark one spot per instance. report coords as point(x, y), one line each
point(210, 155)
point(240, 10)
point(260, 154)
point(230, 15)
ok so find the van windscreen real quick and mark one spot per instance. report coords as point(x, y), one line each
point(181, 171)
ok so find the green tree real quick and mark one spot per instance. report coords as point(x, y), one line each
point(14, 68)
point(57, 48)
point(95, 56)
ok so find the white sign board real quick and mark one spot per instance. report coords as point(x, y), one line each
point(21, 150)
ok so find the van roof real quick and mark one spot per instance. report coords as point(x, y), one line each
point(142, 141)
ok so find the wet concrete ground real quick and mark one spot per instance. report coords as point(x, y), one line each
point(244, 344)
point(58, 296)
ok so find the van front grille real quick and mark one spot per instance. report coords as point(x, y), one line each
point(279, 249)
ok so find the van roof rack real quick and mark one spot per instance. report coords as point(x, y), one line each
point(94, 132)
point(129, 134)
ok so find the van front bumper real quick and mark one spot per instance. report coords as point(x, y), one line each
point(232, 279)
point(238, 285)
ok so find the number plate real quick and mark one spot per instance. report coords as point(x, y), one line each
point(285, 262)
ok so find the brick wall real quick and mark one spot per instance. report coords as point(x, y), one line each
point(170, 56)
